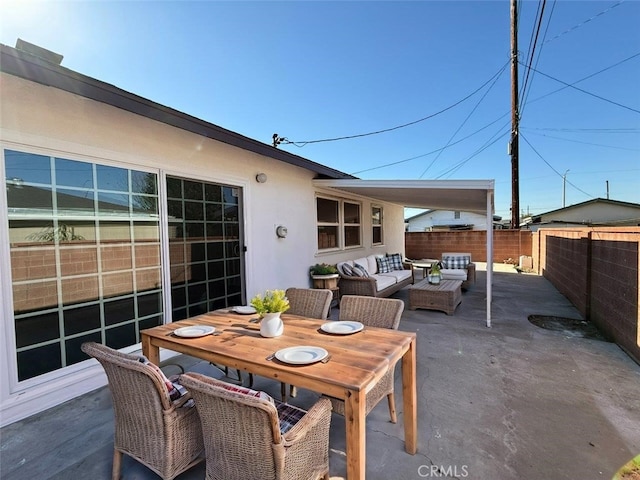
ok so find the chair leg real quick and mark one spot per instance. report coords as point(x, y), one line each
point(392, 407)
point(293, 391)
point(117, 464)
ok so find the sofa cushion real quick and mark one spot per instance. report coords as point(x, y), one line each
point(395, 259)
point(454, 274)
point(372, 264)
point(399, 275)
point(359, 271)
point(383, 281)
point(383, 264)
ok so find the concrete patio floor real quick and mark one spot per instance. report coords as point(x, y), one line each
point(513, 401)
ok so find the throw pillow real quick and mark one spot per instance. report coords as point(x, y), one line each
point(288, 415)
point(395, 259)
point(346, 269)
point(175, 389)
point(460, 262)
point(383, 265)
point(246, 391)
point(359, 271)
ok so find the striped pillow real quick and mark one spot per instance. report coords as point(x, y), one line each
point(359, 271)
point(346, 269)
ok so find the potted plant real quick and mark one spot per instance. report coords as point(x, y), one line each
point(434, 274)
point(269, 306)
point(324, 276)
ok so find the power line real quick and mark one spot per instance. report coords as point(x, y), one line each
point(525, 91)
point(587, 77)
point(551, 167)
point(532, 50)
point(585, 143)
point(584, 91)
point(486, 145)
point(277, 140)
point(431, 152)
point(585, 21)
point(464, 122)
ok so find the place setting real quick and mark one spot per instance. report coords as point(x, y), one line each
point(341, 327)
point(194, 331)
point(301, 355)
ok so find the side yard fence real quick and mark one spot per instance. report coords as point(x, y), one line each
point(597, 268)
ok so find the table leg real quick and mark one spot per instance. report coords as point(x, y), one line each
point(355, 416)
point(409, 399)
point(150, 351)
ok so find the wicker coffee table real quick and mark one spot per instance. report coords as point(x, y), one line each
point(445, 296)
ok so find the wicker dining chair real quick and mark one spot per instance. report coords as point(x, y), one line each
point(306, 302)
point(162, 434)
point(373, 312)
point(309, 302)
point(242, 436)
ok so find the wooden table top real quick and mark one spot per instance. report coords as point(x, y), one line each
point(357, 361)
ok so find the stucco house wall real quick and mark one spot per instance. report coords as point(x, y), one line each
point(44, 120)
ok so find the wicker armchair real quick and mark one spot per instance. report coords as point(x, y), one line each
point(149, 426)
point(374, 312)
point(243, 440)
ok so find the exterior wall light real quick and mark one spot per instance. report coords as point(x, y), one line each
point(261, 177)
point(281, 231)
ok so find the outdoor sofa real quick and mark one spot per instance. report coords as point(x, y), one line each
point(374, 275)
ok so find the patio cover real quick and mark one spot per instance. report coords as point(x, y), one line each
point(464, 195)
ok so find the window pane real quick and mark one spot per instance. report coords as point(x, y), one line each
point(22, 198)
point(351, 236)
point(351, 213)
point(377, 235)
point(71, 173)
point(112, 178)
point(327, 210)
point(327, 237)
point(143, 182)
point(26, 167)
point(376, 216)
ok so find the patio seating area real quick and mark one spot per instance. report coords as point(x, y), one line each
point(514, 401)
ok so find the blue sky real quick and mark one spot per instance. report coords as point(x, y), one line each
point(311, 70)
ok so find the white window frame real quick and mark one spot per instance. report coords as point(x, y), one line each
point(340, 225)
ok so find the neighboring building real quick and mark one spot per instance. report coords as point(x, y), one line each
point(599, 212)
point(117, 212)
point(448, 220)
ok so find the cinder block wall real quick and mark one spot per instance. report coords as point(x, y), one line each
point(597, 269)
point(506, 244)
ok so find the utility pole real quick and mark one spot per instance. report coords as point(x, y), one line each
point(515, 182)
point(564, 187)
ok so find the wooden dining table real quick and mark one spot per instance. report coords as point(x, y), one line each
point(357, 362)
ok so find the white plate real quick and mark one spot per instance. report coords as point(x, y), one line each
point(194, 331)
point(244, 310)
point(341, 327)
point(301, 355)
